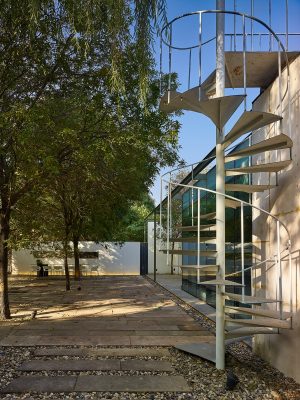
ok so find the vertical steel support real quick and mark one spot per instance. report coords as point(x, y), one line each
point(160, 208)
point(154, 247)
point(279, 269)
point(286, 25)
point(234, 25)
point(244, 63)
point(242, 249)
point(270, 25)
point(160, 66)
point(168, 224)
point(252, 14)
point(200, 54)
point(279, 82)
point(291, 277)
point(192, 194)
point(170, 65)
point(190, 65)
point(220, 187)
point(198, 228)
point(171, 219)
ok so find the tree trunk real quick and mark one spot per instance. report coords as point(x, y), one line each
point(67, 274)
point(4, 235)
point(76, 257)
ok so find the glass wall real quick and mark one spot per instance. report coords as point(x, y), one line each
point(207, 179)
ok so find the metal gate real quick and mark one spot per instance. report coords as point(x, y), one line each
point(143, 258)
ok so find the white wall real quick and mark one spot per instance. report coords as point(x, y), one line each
point(161, 258)
point(115, 260)
point(284, 202)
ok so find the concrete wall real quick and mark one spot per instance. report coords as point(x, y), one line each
point(113, 260)
point(161, 258)
point(282, 350)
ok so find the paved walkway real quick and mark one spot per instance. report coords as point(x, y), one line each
point(173, 284)
point(106, 311)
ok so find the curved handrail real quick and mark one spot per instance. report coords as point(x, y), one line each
point(260, 21)
point(232, 198)
point(243, 15)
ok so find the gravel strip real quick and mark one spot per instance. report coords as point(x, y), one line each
point(258, 380)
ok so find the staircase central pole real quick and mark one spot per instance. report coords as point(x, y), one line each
point(220, 187)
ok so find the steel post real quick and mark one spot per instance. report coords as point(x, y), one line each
point(168, 224)
point(279, 269)
point(220, 187)
point(242, 249)
point(154, 247)
point(198, 228)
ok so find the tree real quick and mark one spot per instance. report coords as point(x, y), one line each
point(115, 163)
point(46, 47)
point(133, 223)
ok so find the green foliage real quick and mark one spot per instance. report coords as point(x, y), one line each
point(133, 223)
point(81, 136)
point(42, 40)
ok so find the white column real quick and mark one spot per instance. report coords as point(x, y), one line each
point(220, 187)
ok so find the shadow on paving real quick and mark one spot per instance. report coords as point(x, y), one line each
point(115, 310)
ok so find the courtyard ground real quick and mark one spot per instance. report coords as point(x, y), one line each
point(113, 339)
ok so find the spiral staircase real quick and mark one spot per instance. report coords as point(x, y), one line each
point(244, 315)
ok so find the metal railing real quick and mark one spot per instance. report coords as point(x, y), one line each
point(279, 250)
point(167, 34)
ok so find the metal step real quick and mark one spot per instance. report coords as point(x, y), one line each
point(193, 239)
point(209, 85)
point(275, 143)
point(194, 228)
point(225, 282)
point(248, 122)
point(248, 299)
point(270, 167)
point(249, 331)
point(234, 187)
point(208, 216)
point(206, 253)
point(261, 67)
point(219, 109)
point(232, 203)
point(267, 322)
point(170, 101)
point(204, 268)
point(257, 311)
point(207, 351)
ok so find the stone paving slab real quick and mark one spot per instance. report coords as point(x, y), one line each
point(149, 365)
point(41, 384)
point(100, 332)
point(170, 333)
point(106, 352)
point(57, 340)
point(96, 365)
point(168, 341)
point(70, 365)
point(134, 340)
point(131, 384)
